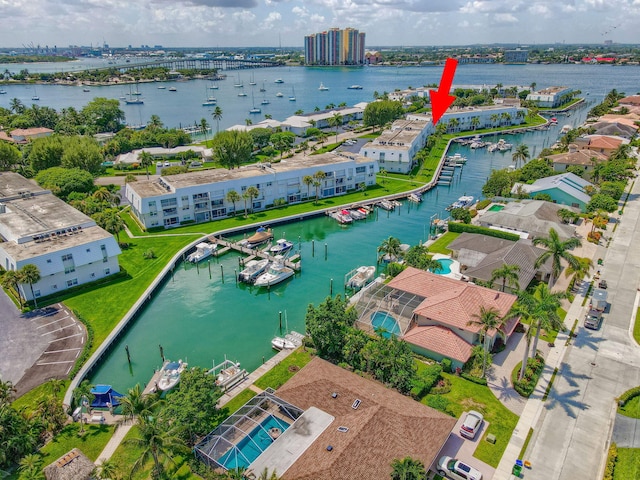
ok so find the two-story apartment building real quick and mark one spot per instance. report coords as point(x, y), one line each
point(38, 228)
point(551, 97)
point(203, 196)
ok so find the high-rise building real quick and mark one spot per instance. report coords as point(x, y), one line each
point(335, 47)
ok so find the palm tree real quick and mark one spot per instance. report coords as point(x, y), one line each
point(508, 274)
point(233, 197)
point(268, 116)
point(264, 475)
point(16, 106)
point(382, 172)
point(533, 86)
point(10, 280)
point(83, 397)
point(522, 308)
point(217, 116)
point(30, 274)
point(390, 248)
point(308, 181)
point(31, 466)
point(623, 152)
point(146, 160)
point(157, 442)
point(453, 124)
point(506, 117)
point(542, 306)
point(109, 470)
point(488, 319)
point(136, 404)
point(407, 469)
point(475, 122)
point(556, 250)
point(494, 118)
point(335, 121)
point(253, 193)
point(248, 121)
point(318, 177)
point(204, 126)
point(521, 154)
point(155, 122)
point(583, 269)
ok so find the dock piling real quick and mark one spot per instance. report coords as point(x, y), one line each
point(222, 272)
point(209, 264)
point(325, 251)
point(126, 349)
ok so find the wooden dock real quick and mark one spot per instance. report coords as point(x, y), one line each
point(291, 262)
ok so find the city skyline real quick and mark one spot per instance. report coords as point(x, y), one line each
point(225, 23)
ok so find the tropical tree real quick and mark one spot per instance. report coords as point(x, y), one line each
point(253, 193)
point(383, 173)
point(452, 124)
point(308, 181)
point(432, 265)
point(508, 273)
point(264, 475)
point(521, 154)
point(155, 123)
point(232, 148)
point(407, 469)
point(557, 250)
point(110, 470)
point(31, 467)
point(487, 319)
point(522, 309)
point(204, 126)
point(543, 307)
point(390, 248)
point(475, 122)
point(30, 274)
point(111, 221)
point(17, 106)
point(585, 264)
point(146, 160)
point(248, 121)
point(233, 197)
point(83, 397)
point(10, 280)
point(494, 118)
point(217, 116)
point(335, 121)
point(318, 177)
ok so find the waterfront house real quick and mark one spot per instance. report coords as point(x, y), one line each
point(529, 219)
point(38, 228)
point(23, 135)
point(585, 159)
point(565, 189)
point(614, 128)
point(550, 97)
point(202, 196)
point(605, 144)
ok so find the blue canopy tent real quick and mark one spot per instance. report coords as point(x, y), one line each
point(104, 394)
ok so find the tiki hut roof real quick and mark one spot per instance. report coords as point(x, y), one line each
point(73, 465)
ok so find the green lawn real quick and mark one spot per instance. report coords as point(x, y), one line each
point(440, 245)
point(631, 408)
point(287, 368)
point(466, 395)
point(628, 464)
point(548, 336)
point(636, 327)
point(92, 442)
point(239, 400)
point(30, 400)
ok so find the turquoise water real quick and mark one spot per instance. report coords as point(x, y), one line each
point(384, 320)
point(496, 208)
point(251, 446)
point(445, 266)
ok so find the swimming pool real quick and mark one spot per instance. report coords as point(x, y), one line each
point(495, 208)
point(446, 266)
point(251, 446)
point(384, 320)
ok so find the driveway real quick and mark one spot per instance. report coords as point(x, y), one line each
point(626, 432)
point(461, 448)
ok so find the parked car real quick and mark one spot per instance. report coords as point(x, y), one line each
point(195, 164)
point(593, 320)
point(602, 284)
point(167, 164)
point(159, 164)
point(453, 468)
point(471, 424)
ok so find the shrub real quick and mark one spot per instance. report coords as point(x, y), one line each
point(532, 373)
point(463, 227)
point(612, 457)
point(628, 395)
point(149, 254)
point(438, 402)
point(443, 386)
point(426, 378)
point(394, 269)
point(474, 379)
point(446, 365)
point(482, 204)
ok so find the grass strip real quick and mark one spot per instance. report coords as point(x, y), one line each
point(548, 389)
point(523, 450)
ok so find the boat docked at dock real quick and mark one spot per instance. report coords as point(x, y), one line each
point(262, 235)
point(203, 250)
point(276, 273)
point(462, 202)
point(456, 159)
point(360, 277)
point(281, 247)
point(415, 197)
point(281, 343)
point(386, 205)
point(228, 374)
point(252, 270)
point(170, 375)
point(342, 217)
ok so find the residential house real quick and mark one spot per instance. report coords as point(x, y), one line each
point(480, 255)
point(38, 228)
point(584, 159)
point(630, 101)
point(565, 189)
point(614, 129)
point(529, 219)
point(23, 135)
point(605, 144)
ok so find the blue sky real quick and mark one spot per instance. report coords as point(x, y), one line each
point(263, 22)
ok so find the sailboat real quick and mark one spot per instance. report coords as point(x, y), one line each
point(292, 98)
point(133, 100)
point(213, 86)
point(254, 109)
point(262, 89)
point(288, 340)
point(209, 101)
point(242, 94)
point(265, 101)
point(35, 96)
point(239, 83)
point(252, 81)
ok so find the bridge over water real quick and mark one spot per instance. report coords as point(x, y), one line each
point(218, 63)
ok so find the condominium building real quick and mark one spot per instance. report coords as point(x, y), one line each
point(202, 196)
point(38, 228)
point(335, 47)
point(516, 56)
point(550, 97)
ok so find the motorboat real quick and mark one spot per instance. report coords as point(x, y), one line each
point(170, 375)
point(457, 159)
point(386, 205)
point(355, 87)
point(279, 94)
point(173, 89)
point(252, 270)
point(553, 121)
point(282, 246)
point(161, 87)
point(281, 343)
point(85, 89)
point(278, 80)
point(242, 94)
point(203, 250)
point(230, 375)
point(255, 110)
point(277, 272)
point(462, 202)
point(262, 235)
point(357, 214)
point(415, 197)
point(2, 91)
point(322, 88)
point(342, 217)
point(361, 277)
point(565, 129)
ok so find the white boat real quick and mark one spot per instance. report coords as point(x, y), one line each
point(357, 214)
point(265, 102)
point(230, 375)
point(214, 87)
point(277, 272)
point(386, 205)
point(279, 80)
point(292, 98)
point(262, 235)
point(173, 89)
point(415, 197)
point(85, 89)
point(203, 250)
point(2, 91)
point(462, 202)
point(355, 87)
point(279, 94)
point(280, 343)
point(252, 81)
point(161, 87)
point(170, 375)
point(322, 88)
point(254, 109)
point(361, 277)
point(252, 270)
point(457, 158)
point(282, 246)
point(35, 96)
point(504, 146)
point(342, 217)
point(565, 129)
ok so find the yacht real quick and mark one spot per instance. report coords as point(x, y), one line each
point(173, 89)
point(252, 270)
point(203, 250)
point(161, 87)
point(282, 246)
point(278, 272)
point(361, 276)
point(170, 375)
point(415, 197)
point(463, 202)
point(355, 87)
point(322, 88)
point(262, 235)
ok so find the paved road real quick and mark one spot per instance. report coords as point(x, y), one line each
point(572, 434)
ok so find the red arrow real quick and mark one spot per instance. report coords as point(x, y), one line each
point(441, 100)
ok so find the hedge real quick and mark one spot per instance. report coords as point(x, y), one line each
point(427, 378)
point(471, 378)
point(464, 227)
point(611, 462)
point(628, 395)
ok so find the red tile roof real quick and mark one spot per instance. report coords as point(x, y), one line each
point(450, 302)
point(385, 426)
point(598, 141)
point(27, 132)
point(440, 340)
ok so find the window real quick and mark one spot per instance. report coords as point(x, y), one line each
point(107, 271)
point(68, 263)
point(361, 169)
point(36, 293)
point(105, 257)
point(93, 275)
point(88, 250)
point(72, 282)
point(48, 260)
point(54, 287)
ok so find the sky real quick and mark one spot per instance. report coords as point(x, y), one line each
point(227, 23)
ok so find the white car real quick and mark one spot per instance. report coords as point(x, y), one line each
point(159, 164)
point(453, 468)
point(167, 164)
point(471, 424)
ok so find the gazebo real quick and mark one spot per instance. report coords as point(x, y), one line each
point(105, 395)
point(73, 465)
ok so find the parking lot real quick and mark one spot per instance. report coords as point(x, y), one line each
point(39, 345)
point(461, 448)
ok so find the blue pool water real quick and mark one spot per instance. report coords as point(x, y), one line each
point(251, 446)
point(446, 266)
point(384, 320)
